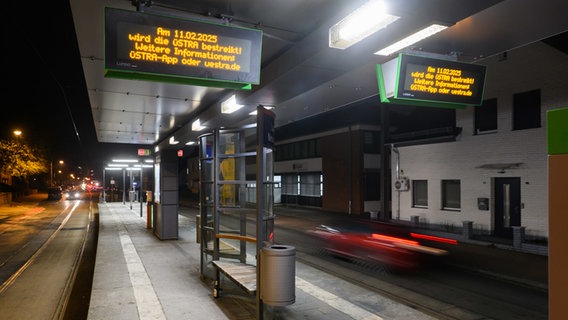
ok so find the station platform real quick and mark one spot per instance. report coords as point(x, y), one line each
point(138, 276)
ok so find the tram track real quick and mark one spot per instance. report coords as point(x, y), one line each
point(42, 286)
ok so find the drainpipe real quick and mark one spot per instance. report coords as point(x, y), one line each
point(395, 150)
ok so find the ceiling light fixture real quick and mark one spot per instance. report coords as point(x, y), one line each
point(196, 126)
point(114, 168)
point(230, 105)
point(125, 160)
point(361, 23)
point(412, 39)
point(173, 140)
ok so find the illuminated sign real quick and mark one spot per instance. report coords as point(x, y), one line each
point(421, 81)
point(143, 152)
point(160, 48)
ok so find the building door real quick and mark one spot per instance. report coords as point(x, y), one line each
point(507, 206)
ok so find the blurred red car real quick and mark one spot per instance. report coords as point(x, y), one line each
point(392, 247)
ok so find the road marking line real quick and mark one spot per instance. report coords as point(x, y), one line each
point(147, 303)
point(335, 302)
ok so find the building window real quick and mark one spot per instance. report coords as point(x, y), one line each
point(371, 142)
point(372, 186)
point(298, 150)
point(486, 117)
point(420, 193)
point(526, 110)
point(451, 195)
point(310, 184)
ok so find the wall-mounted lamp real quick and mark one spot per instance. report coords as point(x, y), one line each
point(412, 39)
point(361, 23)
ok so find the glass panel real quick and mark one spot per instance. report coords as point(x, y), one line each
point(206, 146)
point(451, 194)
point(420, 193)
point(506, 205)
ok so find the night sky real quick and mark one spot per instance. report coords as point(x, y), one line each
point(43, 88)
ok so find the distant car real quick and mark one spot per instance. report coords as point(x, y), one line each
point(54, 193)
point(74, 194)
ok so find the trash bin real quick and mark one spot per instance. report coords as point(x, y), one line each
point(278, 275)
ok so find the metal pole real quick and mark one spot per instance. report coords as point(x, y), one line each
point(51, 173)
point(130, 187)
point(140, 192)
point(123, 186)
point(104, 185)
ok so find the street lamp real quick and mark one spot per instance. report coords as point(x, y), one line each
point(51, 171)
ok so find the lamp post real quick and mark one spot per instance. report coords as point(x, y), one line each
point(51, 171)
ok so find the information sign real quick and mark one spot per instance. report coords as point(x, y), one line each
point(162, 48)
point(423, 81)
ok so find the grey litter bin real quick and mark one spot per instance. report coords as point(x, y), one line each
point(278, 275)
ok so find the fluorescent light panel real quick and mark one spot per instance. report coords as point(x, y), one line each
point(173, 140)
point(412, 39)
point(113, 168)
point(230, 105)
point(118, 165)
point(196, 126)
point(361, 23)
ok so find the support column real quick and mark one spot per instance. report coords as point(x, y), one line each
point(557, 138)
point(166, 215)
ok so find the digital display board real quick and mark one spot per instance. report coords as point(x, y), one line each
point(422, 81)
point(162, 48)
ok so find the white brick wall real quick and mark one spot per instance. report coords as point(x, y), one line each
point(536, 66)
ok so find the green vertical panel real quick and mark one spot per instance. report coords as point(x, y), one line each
point(557, 131)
